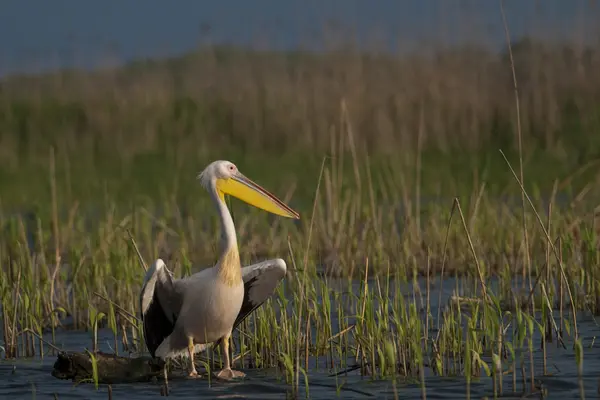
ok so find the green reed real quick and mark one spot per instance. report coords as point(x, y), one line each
point(353, 301)
point(355, 312)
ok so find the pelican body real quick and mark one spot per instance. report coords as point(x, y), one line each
point(187, 314)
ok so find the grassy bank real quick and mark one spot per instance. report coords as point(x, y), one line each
point(401, 137)
point(149, 123)
point(372, 151)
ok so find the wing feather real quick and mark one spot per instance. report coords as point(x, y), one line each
point(260, 281)
point(160, 302)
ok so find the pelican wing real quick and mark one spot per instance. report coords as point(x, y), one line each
point(160, 302)
point(260, 281)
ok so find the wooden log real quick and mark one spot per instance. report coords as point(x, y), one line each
point(77, 366)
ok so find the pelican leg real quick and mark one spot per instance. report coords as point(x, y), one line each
point(227, 373)
point(193, 373)
point(166, 377)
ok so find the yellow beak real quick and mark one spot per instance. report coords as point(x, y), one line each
point(250, 192)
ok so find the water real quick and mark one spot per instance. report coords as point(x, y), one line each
point(32, 379)
point(27, 379)
point(39, 35)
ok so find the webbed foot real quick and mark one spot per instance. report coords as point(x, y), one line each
point(229, 374)
point(194, 374)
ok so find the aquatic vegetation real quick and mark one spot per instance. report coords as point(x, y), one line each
point(459, 306)
point(411, 261)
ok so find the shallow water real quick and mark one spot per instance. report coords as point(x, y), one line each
point(28, 379)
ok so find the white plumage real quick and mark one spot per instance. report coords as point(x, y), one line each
point(260, 281)
point(187, 314)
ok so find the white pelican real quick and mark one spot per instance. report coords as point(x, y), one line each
point(189, 313)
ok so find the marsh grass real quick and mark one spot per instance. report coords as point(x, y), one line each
point(339, 316)
point(354, 142)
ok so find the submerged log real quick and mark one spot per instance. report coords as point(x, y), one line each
point(77, 366)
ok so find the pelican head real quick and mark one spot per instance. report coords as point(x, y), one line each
point(223, 177)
